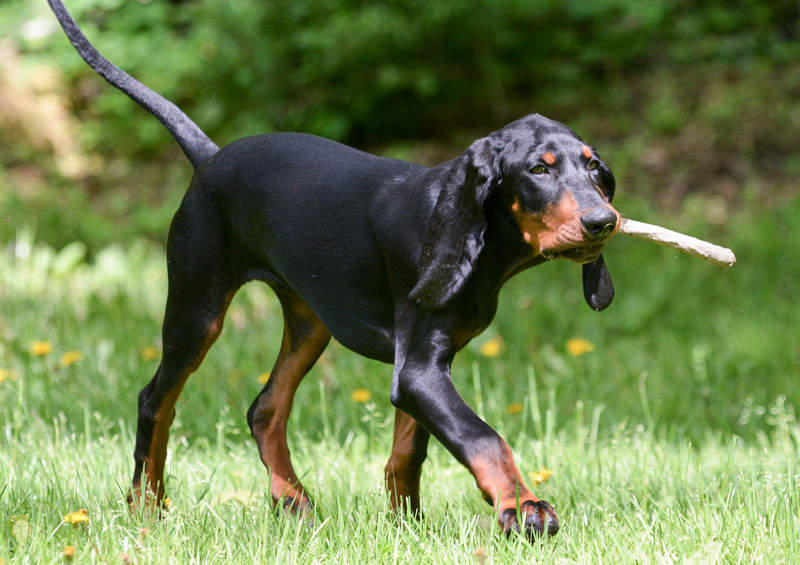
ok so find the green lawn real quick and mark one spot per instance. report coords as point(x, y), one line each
point(628, 497)
point(674, 439)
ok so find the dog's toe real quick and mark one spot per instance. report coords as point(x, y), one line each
point(302, 508)
point(539, 518)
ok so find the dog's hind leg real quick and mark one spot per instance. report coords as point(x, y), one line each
point(403, 470)
point(200, 290)
point(304, 339)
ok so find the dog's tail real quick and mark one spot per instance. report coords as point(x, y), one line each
point(196, 144)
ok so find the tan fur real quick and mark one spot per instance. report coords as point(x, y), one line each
point(556, 229)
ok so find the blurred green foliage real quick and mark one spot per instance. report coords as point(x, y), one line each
point(366, 71)
point(678, 96)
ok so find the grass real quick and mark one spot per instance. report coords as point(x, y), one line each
point(675, 439)
point(625, 498)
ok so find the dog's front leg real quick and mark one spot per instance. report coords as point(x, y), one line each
point(423, 388)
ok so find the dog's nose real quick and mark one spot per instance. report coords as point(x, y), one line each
point(599, 222)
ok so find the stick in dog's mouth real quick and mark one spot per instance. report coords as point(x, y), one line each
point(721, 256)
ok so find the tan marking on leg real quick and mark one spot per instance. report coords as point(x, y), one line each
point(156, 456)
point(499, 480)
point(165, 414)
point(403, 470)
point(274, 407)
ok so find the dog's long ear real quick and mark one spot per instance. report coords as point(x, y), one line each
point(598, 290)
point(455, 233)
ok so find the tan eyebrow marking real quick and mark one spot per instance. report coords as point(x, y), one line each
point(549, 158)
point(587, 152)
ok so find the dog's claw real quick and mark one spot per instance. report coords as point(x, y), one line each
point(304, 509)
point(148, 504)
point(539, 517)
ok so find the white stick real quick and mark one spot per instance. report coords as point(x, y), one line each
point(721, 256)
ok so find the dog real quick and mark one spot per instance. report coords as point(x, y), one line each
point(399, 262)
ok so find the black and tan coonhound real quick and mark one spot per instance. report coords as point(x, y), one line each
point(399, 262)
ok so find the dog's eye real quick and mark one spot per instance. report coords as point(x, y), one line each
point(538, 170)
point(593, 164)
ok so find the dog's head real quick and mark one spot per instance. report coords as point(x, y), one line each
point(557, 191)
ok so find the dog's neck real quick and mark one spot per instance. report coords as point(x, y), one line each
point(504, 255)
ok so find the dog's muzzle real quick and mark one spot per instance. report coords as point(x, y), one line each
point(600, 223)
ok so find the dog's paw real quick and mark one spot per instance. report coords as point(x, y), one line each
point(147, 502)
point(539, 518)
point(300, 507)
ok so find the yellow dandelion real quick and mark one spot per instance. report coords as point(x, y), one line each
point(577, 346)
point(514, 408)
point(540, 476)
point(361, 395)
point(167, 502)
point(264, 377)
point(70, 358)
point(5, 375)
point(69, 552)
point(149, 353)
point(40, 348)
point(77, 518)
point(492, 347)
point(20, 528)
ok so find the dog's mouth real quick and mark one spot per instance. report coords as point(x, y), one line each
point(580, 254)
point(574, 243)
point(569, 240)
